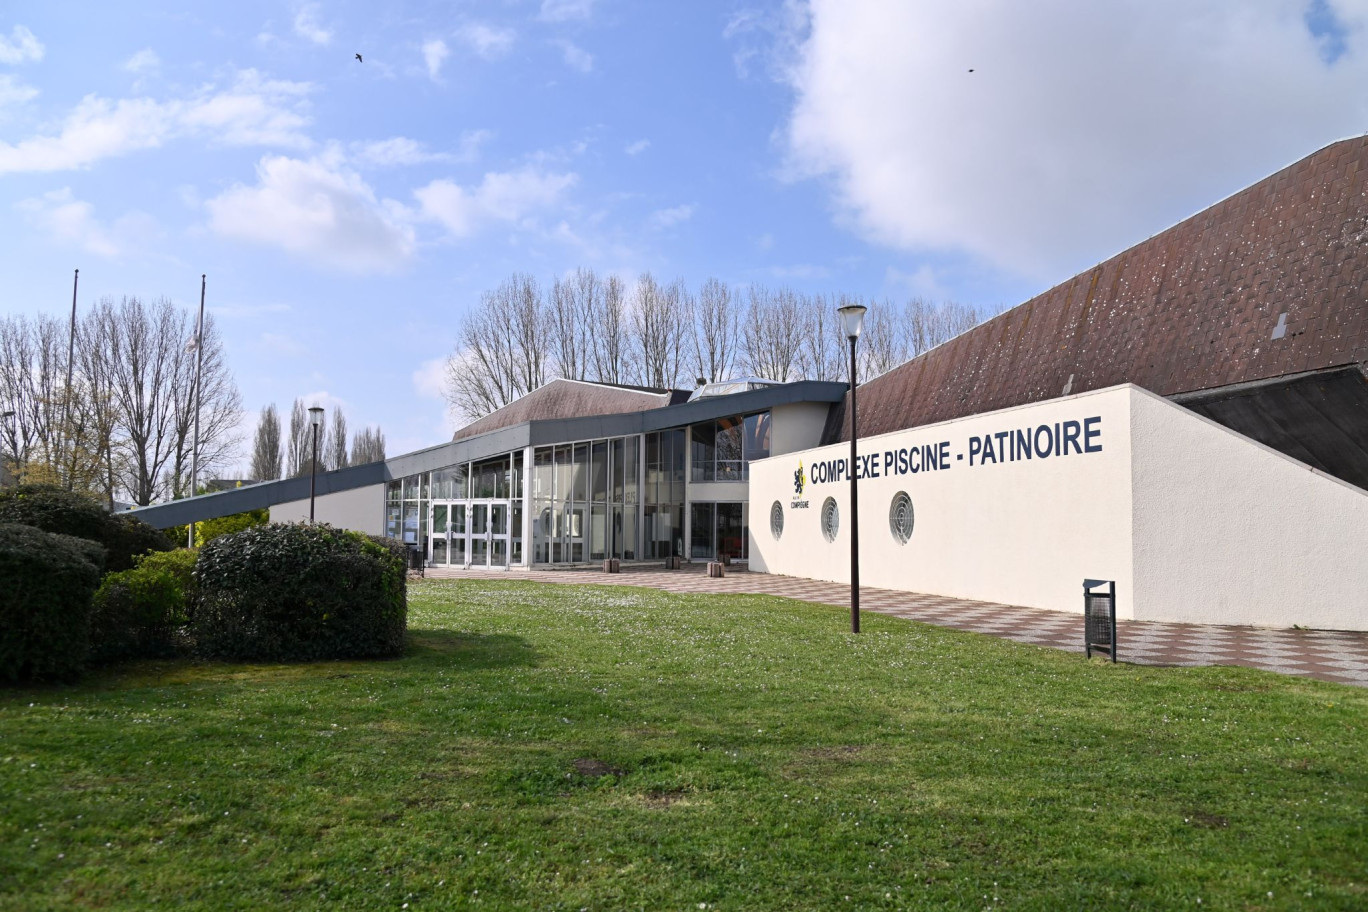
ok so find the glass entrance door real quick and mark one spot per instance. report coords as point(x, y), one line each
point(489, 534)
point(476, 534)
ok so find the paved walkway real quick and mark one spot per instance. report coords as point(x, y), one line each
point(1328, 655)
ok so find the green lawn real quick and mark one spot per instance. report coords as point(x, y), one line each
point(565, 747)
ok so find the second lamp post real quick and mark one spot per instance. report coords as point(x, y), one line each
point(852, 320)
point(315, 421)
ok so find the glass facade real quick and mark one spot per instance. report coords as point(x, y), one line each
point(722, 450)
point(585, 498)
point(623, 497)
point(663, 516)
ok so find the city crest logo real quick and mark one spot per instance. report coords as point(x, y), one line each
point(798, 480)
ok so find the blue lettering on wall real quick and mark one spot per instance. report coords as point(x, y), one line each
point(1062, 438)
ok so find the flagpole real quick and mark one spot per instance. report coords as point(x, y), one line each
point(199, 367)
point(64, 439)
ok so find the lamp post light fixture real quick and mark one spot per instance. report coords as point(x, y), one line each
point(315, 421)
point(852, 321)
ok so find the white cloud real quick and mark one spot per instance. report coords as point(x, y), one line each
point(430, 379)
point(12, 91)
point(636, 148)
point(434, 53)
point(400, 151)
point(72, 222)
point(576, 57)
point(21, 46)
point(252, 111)
point(145, 61)
point(565, 10)
point(500, 197)
point(487, 41)
point(1081, 130)
point(668, 218)
point(308, 26)
point(319, 211)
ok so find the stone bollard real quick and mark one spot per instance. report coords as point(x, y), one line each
point(672, 562)
point(612, 565)
point(715, 568)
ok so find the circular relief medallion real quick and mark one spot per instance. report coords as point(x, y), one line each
point(777, 520)
point(901, 517)
point(831, 519)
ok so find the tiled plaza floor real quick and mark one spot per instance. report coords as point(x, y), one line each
point(1328, 655)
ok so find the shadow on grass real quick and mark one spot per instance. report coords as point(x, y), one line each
point(469, 650)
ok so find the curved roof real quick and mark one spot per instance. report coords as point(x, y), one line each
point(1270, 282)
point(561, 398)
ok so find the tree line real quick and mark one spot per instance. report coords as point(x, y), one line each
point(109, 407)
point(586, 327)
point(293, 456)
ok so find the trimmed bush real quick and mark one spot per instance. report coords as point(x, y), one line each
point(63, 512)
point(139, 613)
point(211, 529)
point(45, 602)
point(300, 592)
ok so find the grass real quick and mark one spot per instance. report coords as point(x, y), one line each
point(566, 747)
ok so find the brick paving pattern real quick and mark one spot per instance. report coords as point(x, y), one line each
point(1327, 655)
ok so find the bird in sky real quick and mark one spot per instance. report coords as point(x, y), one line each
point(359, 60)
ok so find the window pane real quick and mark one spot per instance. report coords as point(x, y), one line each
point(629, 533)
point(617, 530)
point(703, 450)
point(730, 530)
point(581, 472)
point(598, 532)
point(631, 466)
point(517, 491)
point(757, 435)
point(564, 469)
point(700, 531)
point(729, 449)
point(615, 468)
point(599, 488)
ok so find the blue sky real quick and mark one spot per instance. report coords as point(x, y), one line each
point(347, 214)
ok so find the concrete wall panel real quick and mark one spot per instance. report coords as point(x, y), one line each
point(362, 509)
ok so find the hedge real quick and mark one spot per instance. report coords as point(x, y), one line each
point(57, 510)
point(142, 612)
point(210, 529)
point(45, 602)
point(300, 592)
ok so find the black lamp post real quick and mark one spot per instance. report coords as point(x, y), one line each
point(852, 319)
point(315, 421)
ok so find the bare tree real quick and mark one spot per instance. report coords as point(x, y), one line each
point(368, 445)
point(502, 351)
point(220, 408)
point(716, 331)
point(883, 339)
point(300, 448)
point(610, 350)
point(32, 379)
point(150, 371)
point(660, 316)
point(771, 340)
point(334, 454)
point(266, 446)
point(930, 324)
point(574, 304)
point(822, 354)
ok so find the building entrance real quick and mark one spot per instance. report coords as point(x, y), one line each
point(473, 534)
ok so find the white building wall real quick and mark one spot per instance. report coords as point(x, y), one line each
point(797, 426)
point(1196, 523)
point(1023, 532)
point(362, 509)
point(1228, 531)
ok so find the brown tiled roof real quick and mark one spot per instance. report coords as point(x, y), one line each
point(1192, 308)
point(571, 399)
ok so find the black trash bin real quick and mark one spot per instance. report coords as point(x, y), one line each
point(416, 561)
point(1099, 617)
